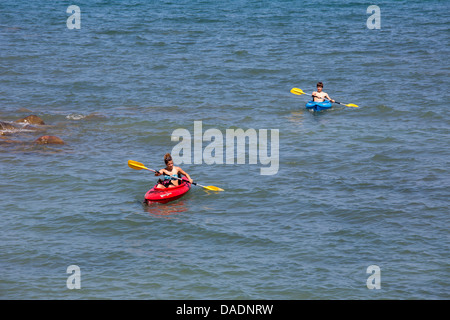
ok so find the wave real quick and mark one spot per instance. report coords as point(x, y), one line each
point(79, 116)
point(75, 116)
point(13, 127)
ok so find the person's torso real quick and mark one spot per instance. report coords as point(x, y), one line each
point(320, 96)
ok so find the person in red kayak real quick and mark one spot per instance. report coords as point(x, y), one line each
point(171, 174)
point(319, 95)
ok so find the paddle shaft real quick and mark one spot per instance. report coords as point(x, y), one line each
point(344, 104)
point(300, 92)
point(194, 183)
point(138, 166)
point(327, 99)
point(170, 176)
point(143, 167)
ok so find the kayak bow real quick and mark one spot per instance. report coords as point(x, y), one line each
point(318, 106)
point(164, 195)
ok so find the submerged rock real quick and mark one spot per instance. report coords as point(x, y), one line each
point(32, 119)
point(49, 140)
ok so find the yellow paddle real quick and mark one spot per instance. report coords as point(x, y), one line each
point(299, 92)
point(139, 166)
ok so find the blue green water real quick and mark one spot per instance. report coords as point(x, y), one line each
point(355, 187)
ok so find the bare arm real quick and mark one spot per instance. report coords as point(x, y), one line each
point(185, 174)
point(161, 172)
point(328, 97)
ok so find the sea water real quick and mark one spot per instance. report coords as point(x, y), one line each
point(354, 187)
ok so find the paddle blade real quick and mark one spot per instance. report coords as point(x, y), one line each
point(352, 105)
point(212, 188)
point(136, 165)
point(297, 91)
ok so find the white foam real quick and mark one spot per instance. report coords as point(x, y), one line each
point(75, 116)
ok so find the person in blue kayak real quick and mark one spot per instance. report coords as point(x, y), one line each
point(171, 174)
point(319, 95)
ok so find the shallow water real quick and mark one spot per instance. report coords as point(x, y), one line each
point(355, 187)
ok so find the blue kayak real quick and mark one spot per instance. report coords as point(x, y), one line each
point(318, 106)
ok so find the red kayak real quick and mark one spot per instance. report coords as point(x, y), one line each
point(164, 195)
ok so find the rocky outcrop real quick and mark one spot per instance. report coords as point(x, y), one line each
point(22, 127)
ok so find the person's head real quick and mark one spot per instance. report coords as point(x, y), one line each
point(319, 86)
point(168, 160)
